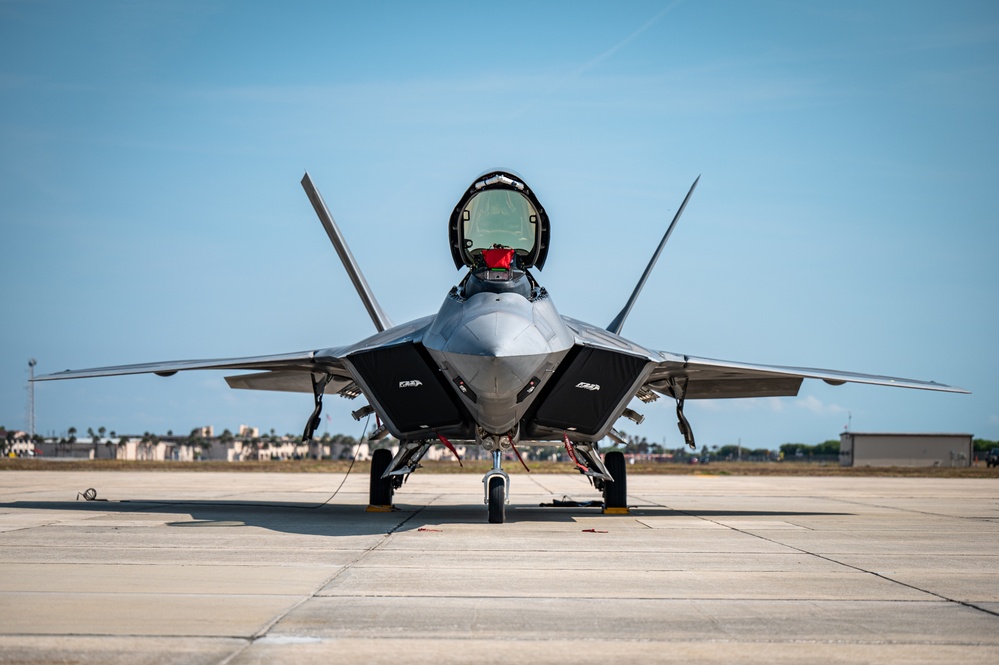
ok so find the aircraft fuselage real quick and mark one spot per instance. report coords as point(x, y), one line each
point(498, 349)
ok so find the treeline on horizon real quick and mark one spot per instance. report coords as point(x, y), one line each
point(828, 448)
point(633, 444)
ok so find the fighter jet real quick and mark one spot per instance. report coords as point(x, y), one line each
point(497, 366)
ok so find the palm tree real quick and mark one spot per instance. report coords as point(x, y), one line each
point(148, 441)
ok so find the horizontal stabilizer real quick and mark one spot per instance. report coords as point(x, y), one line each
point(283, 381)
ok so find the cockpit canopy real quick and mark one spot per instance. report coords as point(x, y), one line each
point(499, 211)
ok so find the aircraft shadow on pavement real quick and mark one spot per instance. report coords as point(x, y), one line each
point(334, 520)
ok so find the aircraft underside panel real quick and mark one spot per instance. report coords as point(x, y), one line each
point(590, 384)
point(403, 381)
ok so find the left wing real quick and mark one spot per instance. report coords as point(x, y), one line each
point(683, 377)
point(708, 379)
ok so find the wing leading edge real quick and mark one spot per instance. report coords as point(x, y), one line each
point(289, 371)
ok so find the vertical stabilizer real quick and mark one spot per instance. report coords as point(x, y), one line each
point(618, 322)
point(375, 311)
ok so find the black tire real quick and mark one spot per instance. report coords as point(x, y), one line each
point(379, 489)
point(497, 500)
point(616, 491)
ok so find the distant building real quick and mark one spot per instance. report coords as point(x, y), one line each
point(83, 448)
point(185, 449)
point(883, 449)
point(17, 443)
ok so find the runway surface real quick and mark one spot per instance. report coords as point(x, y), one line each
point(245, 568)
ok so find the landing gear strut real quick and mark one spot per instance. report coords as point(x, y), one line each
point(497, 484)
point(608, 475)
point(318, 388)
point(678, 391)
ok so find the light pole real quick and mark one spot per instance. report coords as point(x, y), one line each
point(31, 399)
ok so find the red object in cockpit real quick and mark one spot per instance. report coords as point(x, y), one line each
point(498, 258)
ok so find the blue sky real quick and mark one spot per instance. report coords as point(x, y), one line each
point(150, 206)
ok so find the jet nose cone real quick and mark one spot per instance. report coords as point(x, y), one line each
point(498, 334)
point(497, 325)
point(498, 348)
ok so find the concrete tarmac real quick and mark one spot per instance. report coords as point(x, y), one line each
point(252, 568)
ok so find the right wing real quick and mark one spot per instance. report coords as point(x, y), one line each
point(288, 372)
point(285, 372)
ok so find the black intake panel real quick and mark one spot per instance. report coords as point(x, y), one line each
point(587, 387)
point(409, 388)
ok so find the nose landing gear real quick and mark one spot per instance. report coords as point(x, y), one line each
point(497, 484)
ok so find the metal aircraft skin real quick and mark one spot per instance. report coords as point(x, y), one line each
point(497, 364)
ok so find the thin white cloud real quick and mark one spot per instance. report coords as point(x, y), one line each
point(578, 72)
point(624, 42)
point(818, 407)
point(765, 404)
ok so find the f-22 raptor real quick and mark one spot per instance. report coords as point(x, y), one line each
point(497, 365)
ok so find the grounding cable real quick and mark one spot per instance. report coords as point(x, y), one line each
point(352, 460)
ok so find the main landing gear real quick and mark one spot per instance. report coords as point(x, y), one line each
point(388, 473)
point(608, 475)
point(380, 489)
point(616, 491)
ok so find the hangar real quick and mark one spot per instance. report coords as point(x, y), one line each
point(883, 449)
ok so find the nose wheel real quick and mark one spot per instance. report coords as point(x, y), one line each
point(497, 484)
point(497, 500)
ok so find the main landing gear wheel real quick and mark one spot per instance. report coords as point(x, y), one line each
point(616, 491)
point(497, 500)
point(380, 489)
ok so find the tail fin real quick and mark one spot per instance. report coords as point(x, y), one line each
point(375, 311)
point(618, 322)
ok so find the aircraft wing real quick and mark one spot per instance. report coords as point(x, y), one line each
point(709, 379)
point(289, 371)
